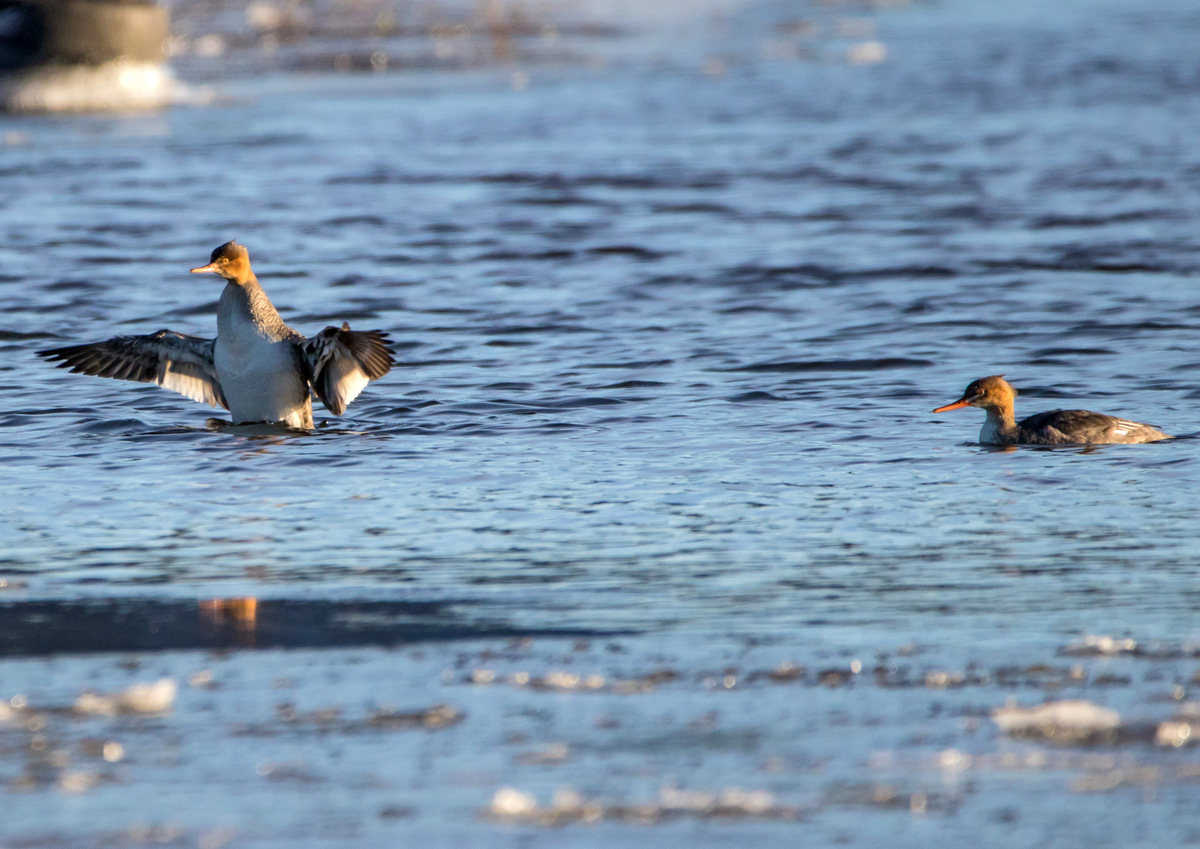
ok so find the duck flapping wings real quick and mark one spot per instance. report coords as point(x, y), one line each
point(337, 363)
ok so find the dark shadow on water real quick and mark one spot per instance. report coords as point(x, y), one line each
point(268, 431)
point(42, 628)
point(253, 429)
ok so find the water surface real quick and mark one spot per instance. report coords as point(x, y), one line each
point(672, 298)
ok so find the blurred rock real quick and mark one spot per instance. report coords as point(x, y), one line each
point(1073, 721)
point(83, 55)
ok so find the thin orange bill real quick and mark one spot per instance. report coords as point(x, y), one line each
point(957, 405)
point(204, 268)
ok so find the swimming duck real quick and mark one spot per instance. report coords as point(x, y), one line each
point(995, 396)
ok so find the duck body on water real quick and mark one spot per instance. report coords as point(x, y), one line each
point(996, 397)
point(258, 368)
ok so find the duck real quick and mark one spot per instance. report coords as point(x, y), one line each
point(257, 367)
point(996, 397)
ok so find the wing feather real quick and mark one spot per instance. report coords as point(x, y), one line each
point(342, 361)
point(1083, 427)
point(174, 361)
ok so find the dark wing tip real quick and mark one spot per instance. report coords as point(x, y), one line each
point(372, 350)
point(72, 356)
point(57, 353)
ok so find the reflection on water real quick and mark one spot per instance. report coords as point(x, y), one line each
point(239, 615)
point(46, 628)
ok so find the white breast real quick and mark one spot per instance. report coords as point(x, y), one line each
point(261, 378)
point(989, 434)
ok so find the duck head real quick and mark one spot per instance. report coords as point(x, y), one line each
point(231, 261)
point(989, 393)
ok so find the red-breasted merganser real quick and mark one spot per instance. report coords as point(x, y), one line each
point(258, 368)
point(1057, 427)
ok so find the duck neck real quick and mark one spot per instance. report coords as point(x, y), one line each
point(1000, 427)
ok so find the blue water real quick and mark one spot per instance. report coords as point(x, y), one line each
point(671, 310)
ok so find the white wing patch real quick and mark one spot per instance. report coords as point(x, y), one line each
point(344, 380)
point(186, 379)
point(1121, 427)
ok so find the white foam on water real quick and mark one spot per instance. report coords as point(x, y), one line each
point(117, 86)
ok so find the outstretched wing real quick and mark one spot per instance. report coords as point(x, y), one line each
point(174, 361)
point(341, 361)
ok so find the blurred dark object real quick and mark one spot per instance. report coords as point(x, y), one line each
point(80, 32)
point(83, 56)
